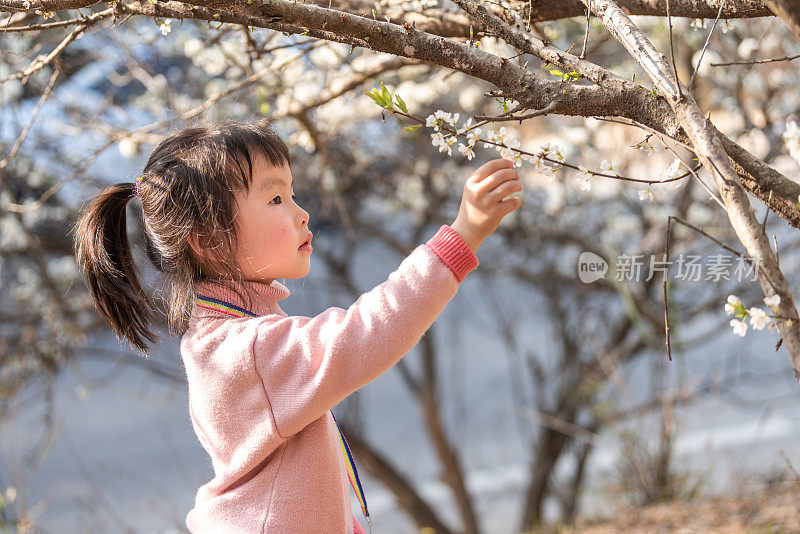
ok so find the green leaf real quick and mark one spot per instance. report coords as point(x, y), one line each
point(401, 104)
point(412, 127)
point(556, 72)
point(382, 98)
point(264, 108)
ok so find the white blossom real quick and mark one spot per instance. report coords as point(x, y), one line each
point(758, 318)
point(498, 137)
point(166, 26)
point(646, 194)
point(432, 122)
point(673, 171)
point(473, 136)
point(607, 167)
point(699, 24)
point(558, 153)
point(446, 116)
point(773, 302)
point(727, 26)
point(467, 151)
point(739, 327)
point(547, 171)
point(648, 148)
point(583, 179)
point(730, 306)
point(439, 140)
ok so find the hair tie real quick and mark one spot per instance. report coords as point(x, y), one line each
point(138, 182)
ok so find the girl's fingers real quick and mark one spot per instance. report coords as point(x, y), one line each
point(503, 190)
point(495, 180)
point(488, 168)
point(510, 204)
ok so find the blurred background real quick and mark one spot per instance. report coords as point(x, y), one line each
point(534, 400)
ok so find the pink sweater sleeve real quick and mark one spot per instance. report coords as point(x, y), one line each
point(309, 364)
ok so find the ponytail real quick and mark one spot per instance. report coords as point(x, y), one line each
point(104, 254)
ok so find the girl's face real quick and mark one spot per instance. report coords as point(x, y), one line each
point(271, 228)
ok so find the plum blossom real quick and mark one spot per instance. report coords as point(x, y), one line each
point(473, 136)
point(773, 302)
point(498, 137)
point(583, 179)
point(607, 167)
point(673, 171)
point(645, 194)
point(439, 140)
point(758, 318)
point(739, 327)
point(166, 26)
point(731, 305)
point(439, 117)
point(727, 26)
point(465, 150)
point(699, 24)
point(508, 152)
point(558, 153)
point(648, 148)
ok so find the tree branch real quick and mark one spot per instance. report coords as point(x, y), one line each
point(709, 149)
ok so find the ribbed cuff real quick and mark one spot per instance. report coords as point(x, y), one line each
point(453, 252)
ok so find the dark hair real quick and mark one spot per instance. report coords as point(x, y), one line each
point(187, 186)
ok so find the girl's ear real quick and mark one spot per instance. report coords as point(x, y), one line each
point(204, 258)
point(195, 246)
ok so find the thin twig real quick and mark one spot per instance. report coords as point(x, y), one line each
point(705, 46)
point(43, 26)
point(684, 145)
point(46, 93)
point(586, 36)
point(724, 246)
point(672, 51)
point(505, 117)
point(764, 222)
point(755, 61)
point(542, 156)
point(41, 61)
point(666, 293)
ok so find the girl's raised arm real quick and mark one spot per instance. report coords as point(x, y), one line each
point(309, 364)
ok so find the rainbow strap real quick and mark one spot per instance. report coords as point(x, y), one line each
point(352, 473)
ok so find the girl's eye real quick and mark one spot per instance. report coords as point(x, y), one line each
point(294, 197)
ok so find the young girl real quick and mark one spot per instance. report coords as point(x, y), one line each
point(222, 225)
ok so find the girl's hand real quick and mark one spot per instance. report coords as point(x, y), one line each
point(482, 205)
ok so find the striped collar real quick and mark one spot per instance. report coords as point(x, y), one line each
point(219, 296)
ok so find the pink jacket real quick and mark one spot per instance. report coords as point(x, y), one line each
point(261, 390)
